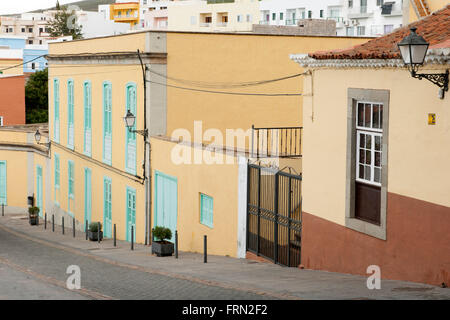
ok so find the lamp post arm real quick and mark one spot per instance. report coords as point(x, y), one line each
point(439, 79)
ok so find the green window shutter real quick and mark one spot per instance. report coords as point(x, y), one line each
point(130, 155)
point(3, 183)
point(107, 123)
point(57, 171)
point(70, 114)
point(206, 210)
point(87, 195)
point(71, 179)
point(87, 119)
point(56, 110)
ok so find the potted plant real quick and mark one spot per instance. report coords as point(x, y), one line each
point(33, 215)
point(93, 231)
point(162, 247)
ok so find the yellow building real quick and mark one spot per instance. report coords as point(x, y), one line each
point(376, 178)
point(125, 12)
point(24, 169)
point(98, 167)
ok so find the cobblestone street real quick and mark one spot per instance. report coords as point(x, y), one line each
point(33, 264)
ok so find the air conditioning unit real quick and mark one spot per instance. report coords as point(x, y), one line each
point(346, 23)
point(355, 22)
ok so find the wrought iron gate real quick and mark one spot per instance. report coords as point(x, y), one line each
point(274, 224)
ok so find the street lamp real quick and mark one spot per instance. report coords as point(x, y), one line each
point(37, 137)
point(413, 49)
point(130, 120)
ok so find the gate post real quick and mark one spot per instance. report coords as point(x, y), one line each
point(248, 208)
point(275, 224)
point(289, 221)
point(259, 211)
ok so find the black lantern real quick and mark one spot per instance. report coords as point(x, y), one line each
point(37, 136)
point(413, 49)
point(130, 120)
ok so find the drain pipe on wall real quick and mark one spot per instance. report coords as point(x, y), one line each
point(144, 167)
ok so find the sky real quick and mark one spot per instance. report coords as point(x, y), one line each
point(20, 6)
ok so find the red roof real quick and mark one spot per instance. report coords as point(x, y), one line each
point(434, 28)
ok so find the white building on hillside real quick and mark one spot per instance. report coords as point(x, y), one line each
point(353, 17)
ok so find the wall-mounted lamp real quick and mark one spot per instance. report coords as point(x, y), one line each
point(130, 120)
point(413, 49)
point(38, 136)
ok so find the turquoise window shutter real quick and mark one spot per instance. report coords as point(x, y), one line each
point(57, 177)
point(56, 110)
point(70, 114)
point(71, 184)
point(3, 183)
point(87, 195)
point(206, 210)
point(130, 156)
point(107, 208)
point(107, 123)
point(87, 119)
point(131, 211)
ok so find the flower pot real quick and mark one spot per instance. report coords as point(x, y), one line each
point(93, 236)
point(162, 249)
point(34, 221)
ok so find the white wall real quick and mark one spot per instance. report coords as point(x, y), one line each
point(94, 25)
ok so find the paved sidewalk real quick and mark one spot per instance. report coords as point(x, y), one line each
point(241, 274)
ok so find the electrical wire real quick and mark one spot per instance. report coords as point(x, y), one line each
point(229, 93)
point(23, 63)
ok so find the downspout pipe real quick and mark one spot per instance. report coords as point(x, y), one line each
point(146, 180)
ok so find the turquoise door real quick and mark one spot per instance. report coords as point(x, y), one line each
point(166, 202)
point(87, 195)
point(107, 208)
point(131, 213)
point(39, 195)
point(3, 183)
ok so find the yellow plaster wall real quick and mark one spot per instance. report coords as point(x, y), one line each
point(238, 58)
point(7, 63)
point(418, 155)
point(219, 181)
point(16, 177)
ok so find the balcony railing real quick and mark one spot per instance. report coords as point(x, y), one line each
point(264, 22)
point(292, 22)
point(205, 24)
point(276, 142)
point(222, 24)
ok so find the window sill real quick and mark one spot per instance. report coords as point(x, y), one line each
point(369, 228)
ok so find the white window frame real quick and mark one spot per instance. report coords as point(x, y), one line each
point(372, 132)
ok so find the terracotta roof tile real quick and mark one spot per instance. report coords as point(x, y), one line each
point(434, 28)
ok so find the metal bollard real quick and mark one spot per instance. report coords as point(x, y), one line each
point(98, 231)
point(205, 249)
point(3, 209)
point(73, 225)
point(132, 238)
point(86, 229)
point(62, 225)
point(45, 221)
point(53, 222)
point(176, 244)
point(115, 242)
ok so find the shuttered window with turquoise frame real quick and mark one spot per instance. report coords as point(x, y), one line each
point(70, 114)
point(56, 123)
point(206, 210)
point(57, 178)
point(130, 153)
point(71, 187)
point(87, 97)
point(107, 122)
point(3, 183)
